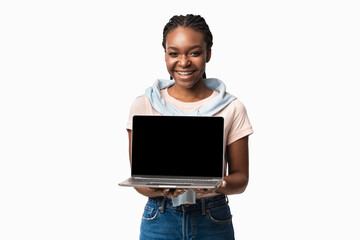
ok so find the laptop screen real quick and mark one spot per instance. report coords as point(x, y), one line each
point(177, 146)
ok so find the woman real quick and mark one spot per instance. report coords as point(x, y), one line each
point(187, 42)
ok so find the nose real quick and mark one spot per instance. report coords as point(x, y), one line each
point(184, 61)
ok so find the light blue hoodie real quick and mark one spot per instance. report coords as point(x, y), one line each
point(214, 106)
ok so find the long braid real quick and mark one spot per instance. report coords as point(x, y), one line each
point(195, 22)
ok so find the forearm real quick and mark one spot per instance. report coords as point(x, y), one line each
point(234, 183)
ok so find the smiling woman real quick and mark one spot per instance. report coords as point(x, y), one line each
point(182, 213)
point(186, 54)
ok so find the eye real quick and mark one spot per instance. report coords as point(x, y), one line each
point(173, 54)
point(195, 54)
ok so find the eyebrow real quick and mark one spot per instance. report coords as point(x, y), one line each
point(193, 47)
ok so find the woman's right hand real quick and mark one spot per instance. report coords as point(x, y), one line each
point(159, 192)
point(167, 192)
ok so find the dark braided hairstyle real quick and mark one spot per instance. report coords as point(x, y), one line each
point(195, 22)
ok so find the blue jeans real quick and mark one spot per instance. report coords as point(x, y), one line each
point(209, 218)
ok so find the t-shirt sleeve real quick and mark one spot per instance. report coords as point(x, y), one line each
point(240, 126)
point(141, 106)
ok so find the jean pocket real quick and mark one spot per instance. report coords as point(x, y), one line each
point(220, 214)
point(150, 213)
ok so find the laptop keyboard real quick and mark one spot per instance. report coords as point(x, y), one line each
point(173, 181)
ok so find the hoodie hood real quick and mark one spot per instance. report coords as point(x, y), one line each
point(214, 106)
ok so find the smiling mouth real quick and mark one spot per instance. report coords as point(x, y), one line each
point(183, 73)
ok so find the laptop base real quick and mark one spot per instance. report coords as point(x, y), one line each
point(172, 183)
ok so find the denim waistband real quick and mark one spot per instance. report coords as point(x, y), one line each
point(202, 203)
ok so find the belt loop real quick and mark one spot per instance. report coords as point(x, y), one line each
point(203, 207)
point(162, 207)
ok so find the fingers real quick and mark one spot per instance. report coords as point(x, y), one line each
point(203, 190)
point(167, 192)
point(175, 192)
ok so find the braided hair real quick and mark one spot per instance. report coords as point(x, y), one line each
point(195, 22)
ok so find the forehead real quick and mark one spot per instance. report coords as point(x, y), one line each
point(183, 37)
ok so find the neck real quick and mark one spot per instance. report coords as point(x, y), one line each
point(196, 93)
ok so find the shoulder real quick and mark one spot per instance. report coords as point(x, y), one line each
point(142, 106)
point(236, 121)
point(236, 107)
point(141, 100)
point(141, 103)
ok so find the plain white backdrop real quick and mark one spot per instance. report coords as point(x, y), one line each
point(69, 71)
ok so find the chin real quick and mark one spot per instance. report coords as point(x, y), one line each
point(186, 84)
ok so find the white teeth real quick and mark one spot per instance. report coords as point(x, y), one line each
point(184, 73)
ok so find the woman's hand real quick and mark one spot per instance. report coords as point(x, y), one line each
point(166, 192)
point(201, 192)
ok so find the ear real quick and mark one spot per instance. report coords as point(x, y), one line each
point(208, 55)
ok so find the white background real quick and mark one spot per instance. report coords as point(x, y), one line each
point(70, 70)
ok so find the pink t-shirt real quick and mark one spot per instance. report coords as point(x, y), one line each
point(236, 121)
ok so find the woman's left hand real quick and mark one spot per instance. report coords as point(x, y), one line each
point(201, 192)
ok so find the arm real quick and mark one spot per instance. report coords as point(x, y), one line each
point(154, 192)
point(238, 161)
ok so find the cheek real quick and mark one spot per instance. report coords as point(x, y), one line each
point(170, 63)
point(200, 63)
point(169, 67)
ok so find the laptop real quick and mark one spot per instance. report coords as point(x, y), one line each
point(177, 152)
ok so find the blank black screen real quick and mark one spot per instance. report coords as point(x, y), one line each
point(177, 146)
